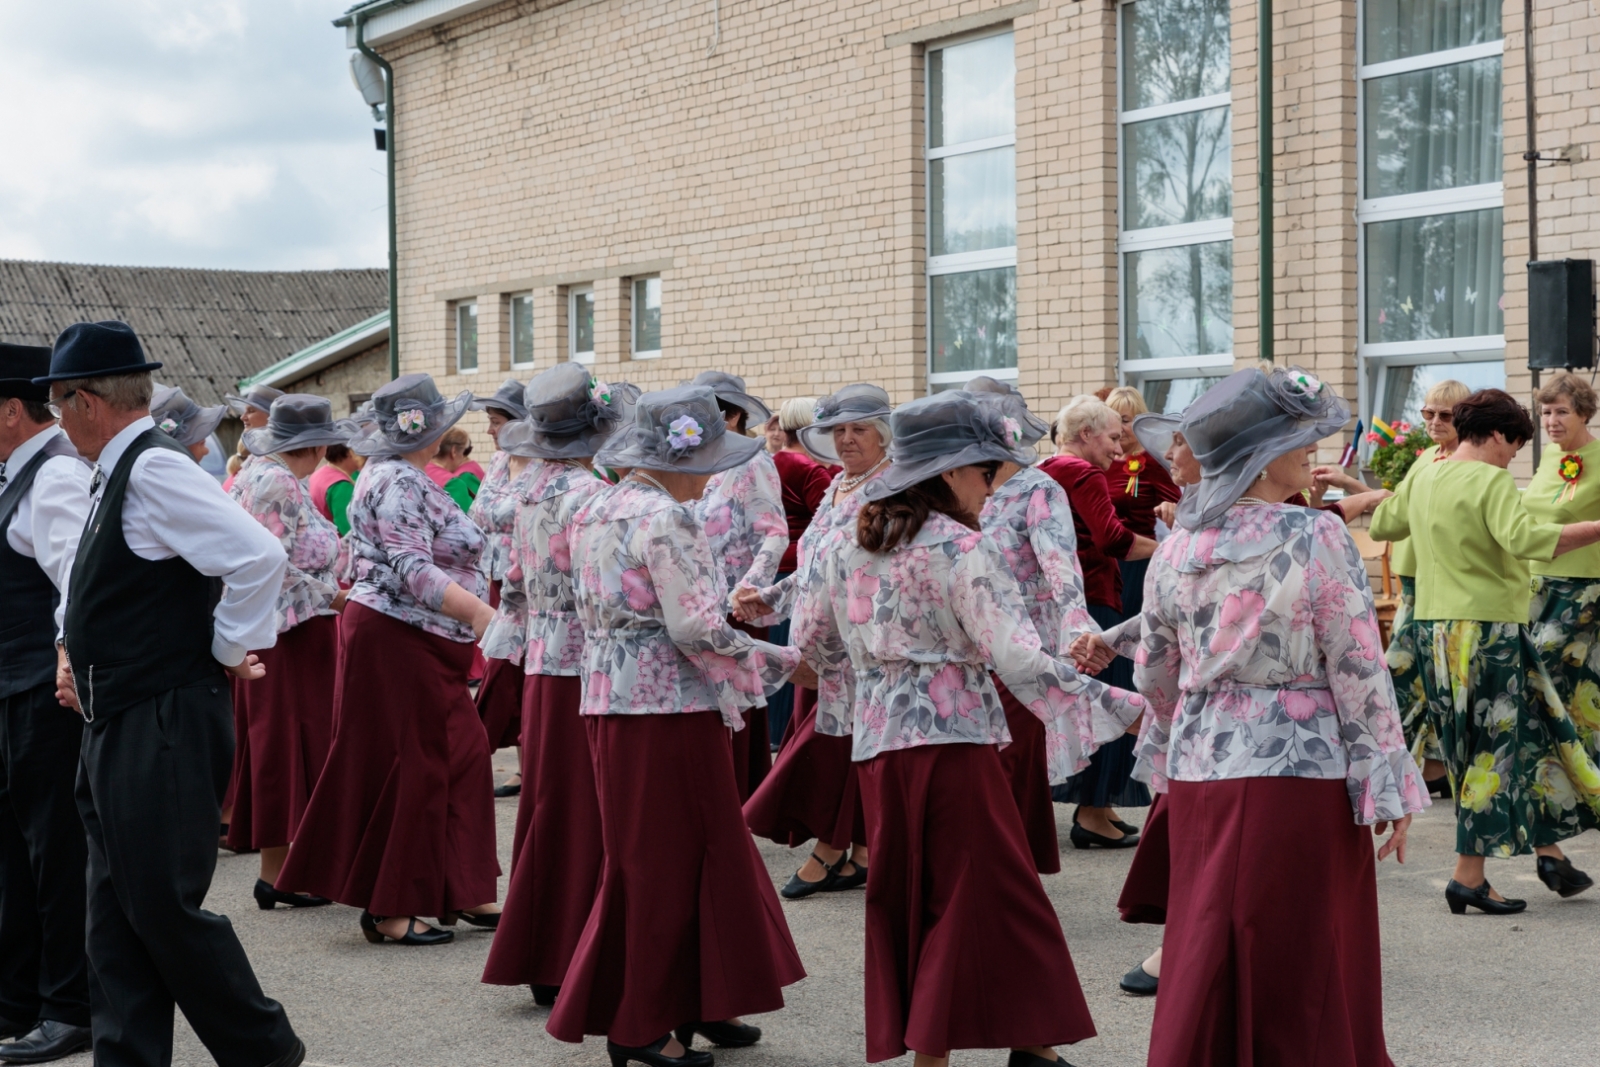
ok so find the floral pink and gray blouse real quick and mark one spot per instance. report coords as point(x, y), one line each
point(494, 509)
point(541, 566)
point(925, 623)
point(506, 636)
point(742, 514)
point(408, 542)
point(656, 639)
point(278, 500)
point(1030, 521)
point(1261, 658)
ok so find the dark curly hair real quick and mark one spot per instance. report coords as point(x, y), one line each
point(1488, 411)
point(886, 524)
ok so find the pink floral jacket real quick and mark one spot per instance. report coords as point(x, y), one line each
point(742, 514)
point(1260, 656)
point(279, 501)
point(408, 542)
point(925, 623)
point(1030, 521)
point(656, 638)
point(541, 566)
point(506, 636)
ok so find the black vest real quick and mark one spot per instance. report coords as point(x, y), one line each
point(28, 624)
point(135, 627)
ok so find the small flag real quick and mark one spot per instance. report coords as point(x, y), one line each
point(1385, 432)
point(1348, 456)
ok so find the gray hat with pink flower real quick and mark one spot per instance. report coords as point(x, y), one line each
point(680, 430)
point(408, 415)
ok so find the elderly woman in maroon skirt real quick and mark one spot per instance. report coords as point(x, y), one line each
point(963, 947)
point(288, 715)
point(686, 934)
point(1276, 736)
point(812, 790)
point(402, 821)
point(494, 509)
point(556, 851)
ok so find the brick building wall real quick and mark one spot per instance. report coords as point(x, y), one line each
point(357, 376)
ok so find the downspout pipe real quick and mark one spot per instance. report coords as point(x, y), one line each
point(1264, 171)
point(1531, 155)
point(388, 152)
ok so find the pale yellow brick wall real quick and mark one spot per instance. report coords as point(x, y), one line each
point(361, 373)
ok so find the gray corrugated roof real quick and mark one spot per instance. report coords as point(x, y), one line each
point(210, 327)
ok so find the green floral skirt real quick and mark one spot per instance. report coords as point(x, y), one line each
point(1566, 630)
point(1421, 737)
point(1522, 777)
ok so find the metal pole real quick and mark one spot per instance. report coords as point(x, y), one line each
point(388, 152)
point(1264, 170)
point(1531, 156)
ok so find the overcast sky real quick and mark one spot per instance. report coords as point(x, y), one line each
point(185, 133)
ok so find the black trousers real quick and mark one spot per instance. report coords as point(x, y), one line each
point(43, 973)
point(150, 793)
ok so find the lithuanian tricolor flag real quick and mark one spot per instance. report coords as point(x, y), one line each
point(1383, 430)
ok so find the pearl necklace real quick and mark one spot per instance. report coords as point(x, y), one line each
point(644, 476)
point(849, 485)
point(1251, 501)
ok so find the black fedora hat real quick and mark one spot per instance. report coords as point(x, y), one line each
point(96, 350)
point(19, 365)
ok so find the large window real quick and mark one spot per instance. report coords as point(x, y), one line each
point(466, 337)
point(972, 210)
point(522, 330)
point(646, 318)
point(1176, 217)
point(1432, 271)
point(580, 324)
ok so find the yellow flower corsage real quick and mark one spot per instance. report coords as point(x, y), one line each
point(1571, 469)
point(1134, 467)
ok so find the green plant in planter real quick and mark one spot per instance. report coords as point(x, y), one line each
point(1392, 459)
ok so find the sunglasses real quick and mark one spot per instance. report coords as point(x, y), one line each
point(1442, 414)
point(989, 471)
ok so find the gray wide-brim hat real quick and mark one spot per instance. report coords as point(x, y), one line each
point(1155, 433)
point(180, 418)
point(730, 388)
point(408, 415)
point(299, 420)
point(259, 397)
point(854, 403)
point(680, 430)
point(1024, 427)
point(1243, 423)
point(507, 399)
point(569, 414)
point(934, 434)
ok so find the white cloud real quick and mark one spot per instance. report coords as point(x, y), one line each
point(185, 133)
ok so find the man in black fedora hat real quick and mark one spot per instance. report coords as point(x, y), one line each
point(44, 500)
point(171, 584)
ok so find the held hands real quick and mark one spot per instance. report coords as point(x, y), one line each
point(1335, 477)
point(249, 669)
point(804, 676)
point(748, 607)
point(66, 687)
point(1167, 512)
point(1090, 654)
point(1396, 845)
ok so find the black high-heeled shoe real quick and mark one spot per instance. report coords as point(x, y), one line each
point(722, 1035)
point(490, 921)
point(1460, 898)
point(1140, 982)
point(798, 888)
point(1561, 877)
point(428, 935)
point(269, 896)
point(1020, 1058)
point(1125, 827)
point(651, 1056)
point(854, 880)
point(545, 995)
point(1082, 838)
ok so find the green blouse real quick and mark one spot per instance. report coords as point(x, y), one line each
point(463, 489)
point(339, 494)
point(1402, 556)
point(1471, 536)
point(1540, 500)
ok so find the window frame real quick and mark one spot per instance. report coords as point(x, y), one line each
point(1139, 372)
point(959, 262)
point(1374, 358)
point(456, 311)
point(573, 354)
point(634, 307)
point(511, 330)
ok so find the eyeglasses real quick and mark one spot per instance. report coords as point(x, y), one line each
point(54, 406)
point(1442, 414)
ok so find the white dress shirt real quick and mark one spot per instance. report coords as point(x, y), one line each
point(174, 508)
point(49, 519)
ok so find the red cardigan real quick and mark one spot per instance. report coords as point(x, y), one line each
point(805, 482)
point(1102, 537)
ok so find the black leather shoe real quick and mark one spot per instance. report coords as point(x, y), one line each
point(426, 936)
point(650, 1055)
point(798, 888)
point(508, 790)
point(47, 1042)
point(490, 921)
point(1020, 1058)
point(722, 1035)
point(293, 1058)
point(1125, 827)
point(545, 995)
point(854, 880)
point(1139, 982)
point(1438, 787)
point(1562, 877)
point(269, 896)
point(1082, 838)
point(1459, 897)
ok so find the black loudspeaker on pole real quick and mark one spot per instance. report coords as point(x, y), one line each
point(1561, 314)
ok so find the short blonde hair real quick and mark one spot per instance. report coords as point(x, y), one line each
point(1126, 401)
point(1569, 385)
point(801, 411)
point(1085, 413)
point(1447, 393)
point(455, 439)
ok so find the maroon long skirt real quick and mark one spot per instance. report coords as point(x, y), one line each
point(557, 852)
point(1144, 891)
point(686, 925)
point(402, 820)
point(288, 724)
point(1027, 769)
point(813, 790)
point(964, 949)
point(1253, 972)
point(500, 702)
point(752, 748)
